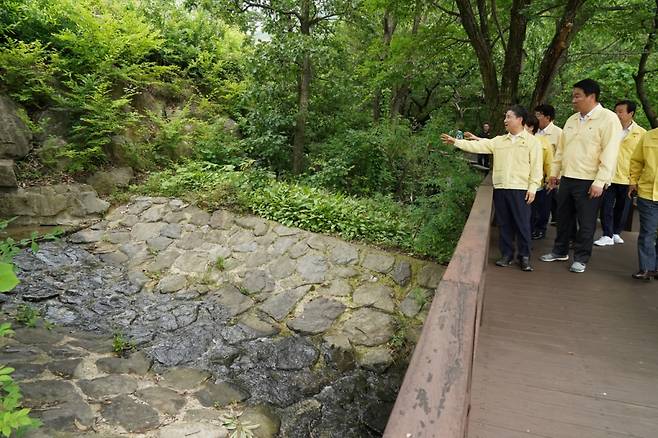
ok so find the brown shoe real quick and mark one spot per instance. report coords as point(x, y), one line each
point(644, 275)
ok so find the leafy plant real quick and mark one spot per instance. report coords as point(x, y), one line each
point(27, 315)
point(121, 345)
point(237, 428)
point(220, 263)
point(13, 418)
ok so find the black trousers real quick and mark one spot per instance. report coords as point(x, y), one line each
point(541, 209)
point(575, 207)
point(513, 218)
point(614, 209)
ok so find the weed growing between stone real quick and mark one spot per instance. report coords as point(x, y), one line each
point(237, 428)
point(122, 345)
point(27, 315)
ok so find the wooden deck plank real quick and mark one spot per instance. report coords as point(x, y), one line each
point(563, 355)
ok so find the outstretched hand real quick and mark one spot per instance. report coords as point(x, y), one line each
point(448, 139)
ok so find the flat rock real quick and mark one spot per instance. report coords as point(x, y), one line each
point(184, 379)
point(159, 243)
point(401, 273)
point(230, 297)
point(258, 281)
point(376, 359)
point(318, 315)
point(67, 368)
point(282, 267)
point(172, 231)
point(165, 400)
point(144, 231)
point(136, 363)
point(413, 302)
point(298, 250)
point(286, 231)
point(192, 262)
point(86, 236)
point(281, 245)
point(154, 213)
point(222, 219)
point(130, 414)
point(57, 404)
point(369, 327)
point(278, 306)
point(195, 430)
point(375, 295)
point(430, 276)
point(294, 353)
point(172, 283)
point(105, 387)
point(220, 394)
point(344, 254)
point(337, 288)
point(378, 262)
point(312, 268)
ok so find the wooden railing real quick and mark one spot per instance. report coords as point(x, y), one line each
point(434, 399)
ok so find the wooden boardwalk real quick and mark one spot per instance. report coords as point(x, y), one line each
point(565, 355)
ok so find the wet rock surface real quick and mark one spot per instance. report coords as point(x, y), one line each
point(292, 326)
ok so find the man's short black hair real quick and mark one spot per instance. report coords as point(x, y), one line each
point(589, 87)
point(519, 111)
point(532, 122)
point(547, 110)
point(630, 105)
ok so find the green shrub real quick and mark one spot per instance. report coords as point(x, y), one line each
point(429, 227)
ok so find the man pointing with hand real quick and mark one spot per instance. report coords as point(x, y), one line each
point(585, 162)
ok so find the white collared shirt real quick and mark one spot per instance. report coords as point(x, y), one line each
point(584, 118)
point(627, 131)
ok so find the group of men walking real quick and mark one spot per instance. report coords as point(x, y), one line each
point(596, 162)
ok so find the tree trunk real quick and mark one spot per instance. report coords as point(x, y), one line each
point(642, 71)
point(509, 86)
point(402, 92)
point(303, 95)
point(485, 61)
point(555, 53)
point(390, 23)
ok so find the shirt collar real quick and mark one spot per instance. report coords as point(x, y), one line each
point(589, 114)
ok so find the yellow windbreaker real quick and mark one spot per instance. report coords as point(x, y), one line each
point(547, 156)
point(516, 164)
point(626, 149)
point(644, 166)
point(588, 150)
point(553, 134)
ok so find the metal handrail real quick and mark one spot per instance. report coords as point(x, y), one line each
point(434, 399)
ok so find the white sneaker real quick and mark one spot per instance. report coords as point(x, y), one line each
point(617, 238)
point(578, 267)
point(604, 241)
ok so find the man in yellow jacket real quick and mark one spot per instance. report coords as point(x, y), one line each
point(615, 205)
point(541, 207)
point(585, 162)
point(644, 180)
point(546, 116)
point(517, 173)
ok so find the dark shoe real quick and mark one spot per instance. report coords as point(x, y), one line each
point(538, 235)
point(504, 261)
point(644, 275)
point(524, 263)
